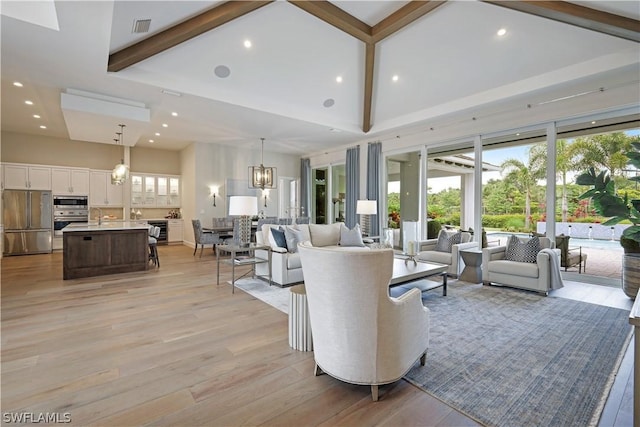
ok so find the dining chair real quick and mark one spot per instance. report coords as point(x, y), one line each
point(203, 238)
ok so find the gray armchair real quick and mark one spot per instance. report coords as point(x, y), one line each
point(203, 238)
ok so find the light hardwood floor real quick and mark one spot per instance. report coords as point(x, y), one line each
point(169, 347)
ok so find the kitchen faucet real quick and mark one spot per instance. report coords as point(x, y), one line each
point(99, 215)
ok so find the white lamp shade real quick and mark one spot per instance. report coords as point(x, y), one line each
point(367, 207)
point(243, 205)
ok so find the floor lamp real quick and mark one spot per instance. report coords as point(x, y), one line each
point(244, 207)
point(367, 208)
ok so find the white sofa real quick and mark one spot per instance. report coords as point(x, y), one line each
point(524, 275)
point(286, 268)
point(361, 335)
point(429, 253)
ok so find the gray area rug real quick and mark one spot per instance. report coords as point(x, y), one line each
point(511, 358)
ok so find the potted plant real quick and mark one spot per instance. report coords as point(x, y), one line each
point(608, 203)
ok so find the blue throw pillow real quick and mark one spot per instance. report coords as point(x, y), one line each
point(279, 237)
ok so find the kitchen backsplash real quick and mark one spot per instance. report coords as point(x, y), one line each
point(154, 213)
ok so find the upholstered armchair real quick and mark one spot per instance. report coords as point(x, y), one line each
point(534, 276)
point(361, 335)
point(430, 251)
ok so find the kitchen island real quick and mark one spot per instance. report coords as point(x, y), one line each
point(92, 249)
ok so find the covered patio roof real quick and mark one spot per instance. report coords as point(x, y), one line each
point(455, 165)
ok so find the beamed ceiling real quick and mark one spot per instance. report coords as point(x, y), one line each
point(406, 67)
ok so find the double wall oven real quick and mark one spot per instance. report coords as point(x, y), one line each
point(67, 210)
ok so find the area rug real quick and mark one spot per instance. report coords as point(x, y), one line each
point(511, 358)
point(273, 295)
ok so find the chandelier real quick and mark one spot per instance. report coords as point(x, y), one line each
point(262, 176)
point(120, 172)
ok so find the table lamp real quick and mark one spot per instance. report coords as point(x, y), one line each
point(245, 207)
point(368, 208)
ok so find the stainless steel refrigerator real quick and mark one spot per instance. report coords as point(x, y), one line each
point(28, 222)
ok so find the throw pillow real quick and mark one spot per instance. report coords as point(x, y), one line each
point(446, 241)
point(293, 237)
point(279, 237)
point(324, 234)
point(351, 237)
point(522, 251)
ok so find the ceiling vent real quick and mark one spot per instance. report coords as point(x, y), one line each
point(141, 26)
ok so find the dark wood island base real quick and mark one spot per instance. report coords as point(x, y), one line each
point(103, 251)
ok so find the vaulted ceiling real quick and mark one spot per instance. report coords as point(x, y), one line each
point(403, 66)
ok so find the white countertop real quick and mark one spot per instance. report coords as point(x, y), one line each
point(107, 225)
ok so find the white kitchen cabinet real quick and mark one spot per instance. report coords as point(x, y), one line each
point(175, 231)
point(65, 181)
point(168, 192)
point(25, 177)
point(103, 193)
point(155, 191)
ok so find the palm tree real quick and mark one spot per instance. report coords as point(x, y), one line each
point(605, 151)
point(565, 163)
point(524, 178)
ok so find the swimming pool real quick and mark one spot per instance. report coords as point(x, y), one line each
point(612, 245)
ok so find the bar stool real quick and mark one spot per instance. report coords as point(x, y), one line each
point(154, 233)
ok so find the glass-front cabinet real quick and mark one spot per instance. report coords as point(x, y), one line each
point(137, 190)
point(153, 191)
point(174, 192)
point(149, 190)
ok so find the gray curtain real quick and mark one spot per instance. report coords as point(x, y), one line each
point(305, 187)
point(352, 169)
point(374, 162)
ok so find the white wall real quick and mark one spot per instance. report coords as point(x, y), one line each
point(212, 164)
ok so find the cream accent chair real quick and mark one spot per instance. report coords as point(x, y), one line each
point(361, 335)
point(523, 275)
point(452, 259)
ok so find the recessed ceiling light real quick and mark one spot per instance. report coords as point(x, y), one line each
point(43, 127)
point(593, 122)
point(395, 78)
point(502, 31)
point(18, 84)
point(174, 114)
point(222, 71)
point(329, 102)
point(157, 133)
point(517, 134)
point(36, 116)
point(339, 79)
point(164, 125)
point(151, 141)
point(247, 44)
point(28, 102)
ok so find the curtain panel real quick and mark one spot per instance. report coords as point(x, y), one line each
point(352, 170)
point(374, 163)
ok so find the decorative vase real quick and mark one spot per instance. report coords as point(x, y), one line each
point(631, 274)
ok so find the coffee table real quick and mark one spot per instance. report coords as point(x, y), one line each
point(404, 272)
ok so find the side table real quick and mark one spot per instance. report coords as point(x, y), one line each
point(251, 260)
point(299, 325)
point(472, 265)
